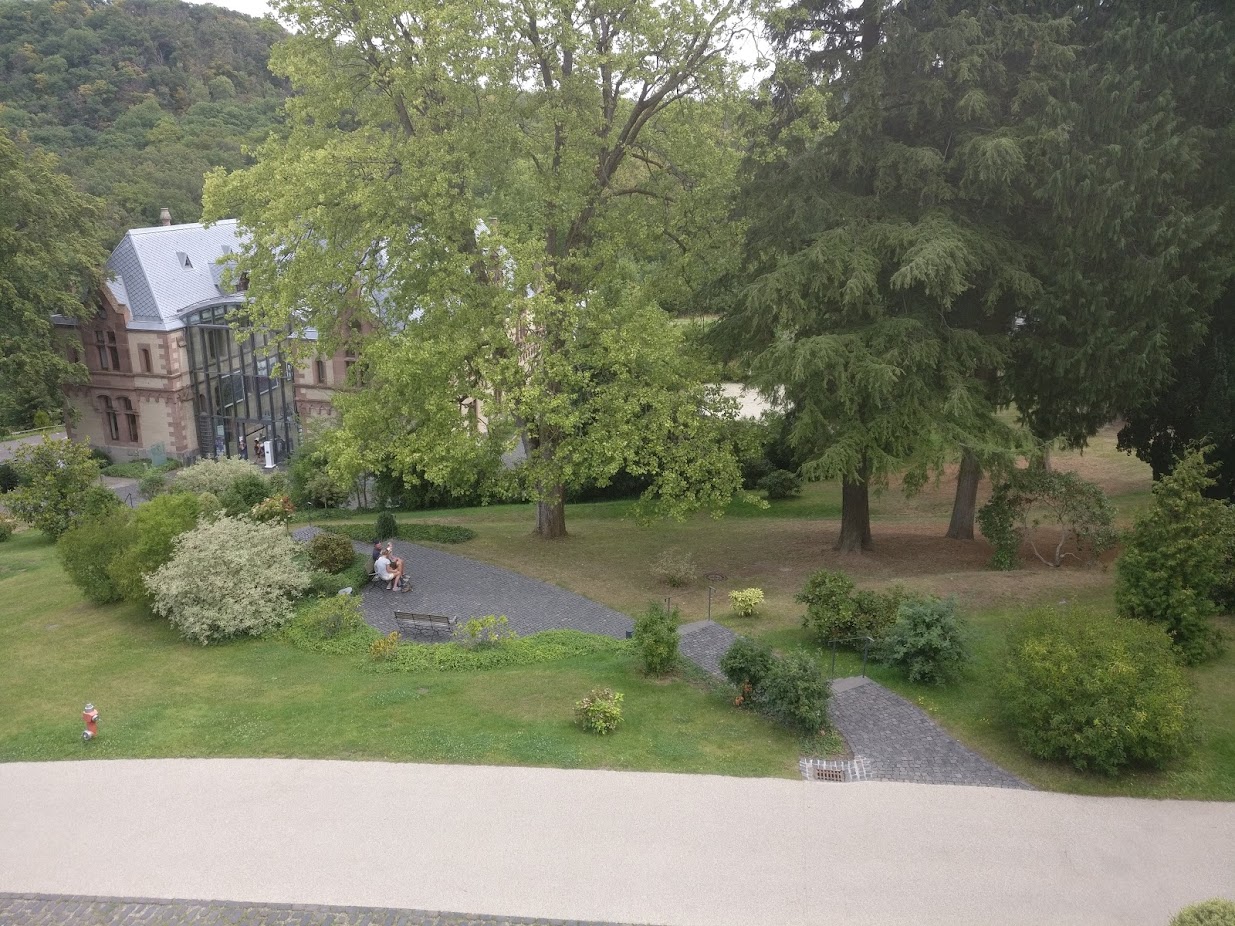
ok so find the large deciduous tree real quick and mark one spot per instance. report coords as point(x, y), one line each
point(481, 199)
point(51, 255)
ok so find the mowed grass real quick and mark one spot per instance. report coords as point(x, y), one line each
point(608, 557)
point(162, 697)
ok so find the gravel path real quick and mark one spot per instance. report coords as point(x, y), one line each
point(455, 586)
point(902, 743)
point(53, 910)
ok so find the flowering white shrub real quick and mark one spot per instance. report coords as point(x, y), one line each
point(229, 577)
point(215, 476)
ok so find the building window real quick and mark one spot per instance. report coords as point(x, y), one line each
point(145, 354)
point(320, 367)
point(101, 344)
point(113, 423)
point(130, 417)
point(74, 357)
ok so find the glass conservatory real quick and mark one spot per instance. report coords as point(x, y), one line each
point(242, 389)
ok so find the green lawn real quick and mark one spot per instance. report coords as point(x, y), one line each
point(162, 697)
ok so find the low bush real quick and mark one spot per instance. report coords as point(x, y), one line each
point(780, 484)
point(208, 506)
point(1216, 912)
point(331, 552)
point(746, 663)
point(88, 550)
point(484, 631)
point(746, 601)
point(214, 476)
point(1098, 691)
point(9, 480)
point(335, 617)
point(151, 484)
point(7, 527)
point(384, 649)
point(600, 712)
point(675, 568)
point(927, 641)
point(277, 509)
point(413, 533)
point(656, 639)
point(795, 692)
point(836, 612)
point(227, 578)
point(387, 527)
point(244, 493)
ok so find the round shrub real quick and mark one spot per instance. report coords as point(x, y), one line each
point(227, 578)
point(151, 484)
point(9, 480)
point(600, 712)
point(746, 601)
point(57, 486)
point(331, 552)
point(1098, 691)
point(386, 648)
point(780, 484)
point(245, 491)
point(156, 525)
point(836, 612)
point(387, 527)
point(88, 550)
point(927, 641)
point(1216, 912)
point(208, 506)
point(7, 526)
point(277, 509)
point(656, 639)
point(746, 663)
point(795, 692)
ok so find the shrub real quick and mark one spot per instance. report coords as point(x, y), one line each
point(656, 639)
point(208, 506)
point(384, 649)
point(244, 493)
point(278, 509)
point(276, 484)
point(600, 712)
point(1098, 691)
point(484, 631)
point(780, 484)
point(55, 482)
point(331, 552)
point(88, 550)
point(926, 641)
point(835, 612)
point(334, 617)
point(746, 601)
point(156, 525)
point(1175, 563)
point(228, 577)
point(746, 663)
point(795, 692)
point(151, 484)
point(9, 480)
point(1029, 498)
point(7, 526)
point(674, 568)
point(1216, 912)
point(214, 476)
point(102, 457)
point(387, 527)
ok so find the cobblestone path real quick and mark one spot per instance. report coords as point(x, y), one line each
point(46, 910)
point(902, 743)
point(455, 586)
point(704, 642)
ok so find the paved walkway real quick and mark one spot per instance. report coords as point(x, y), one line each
point(455, 586)
point(679, 850)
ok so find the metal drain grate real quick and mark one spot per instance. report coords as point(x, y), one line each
point(858, 768)
point(715, 576)
point(829, 774)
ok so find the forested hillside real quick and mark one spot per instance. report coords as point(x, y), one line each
point(138, 97)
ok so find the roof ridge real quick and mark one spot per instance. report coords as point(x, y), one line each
point(156, 229)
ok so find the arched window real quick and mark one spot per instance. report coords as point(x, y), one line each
point(130, 417)
point(113, 423)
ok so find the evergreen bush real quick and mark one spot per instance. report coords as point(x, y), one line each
point(746, 663)
point(795, 692)
point(331, 552)
point(214, 476)
point(245, 491)
point(7, 527)
point(746, 601)
point(780, 484)
point(387, 528)
point(57, 486)
point(1098, 691)
point(656, 639)
point(835, 611)
point(152, 483)
point(333, 617)
point(927, 641)
point(156, 525)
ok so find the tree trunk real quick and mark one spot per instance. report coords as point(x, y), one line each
point(551, 514)
point(966, 503)
point(855, 517)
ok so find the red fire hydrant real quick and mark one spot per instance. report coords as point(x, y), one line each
point(90, 717)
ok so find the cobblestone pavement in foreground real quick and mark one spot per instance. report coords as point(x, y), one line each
point(48, 910)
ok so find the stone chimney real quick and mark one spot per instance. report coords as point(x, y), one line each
point(165, 216)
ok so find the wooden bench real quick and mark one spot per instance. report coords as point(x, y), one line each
point(430, 623)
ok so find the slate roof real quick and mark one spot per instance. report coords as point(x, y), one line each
point(159, 272)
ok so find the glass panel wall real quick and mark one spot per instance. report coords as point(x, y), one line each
point(239, 401)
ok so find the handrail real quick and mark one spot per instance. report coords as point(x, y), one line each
point(866, 645)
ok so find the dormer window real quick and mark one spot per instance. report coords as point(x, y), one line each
point(185, 263)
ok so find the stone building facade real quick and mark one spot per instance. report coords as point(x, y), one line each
point(168, 375)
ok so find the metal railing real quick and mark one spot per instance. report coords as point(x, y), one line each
point(866, 645)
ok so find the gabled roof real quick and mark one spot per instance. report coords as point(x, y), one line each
point(159, 272)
